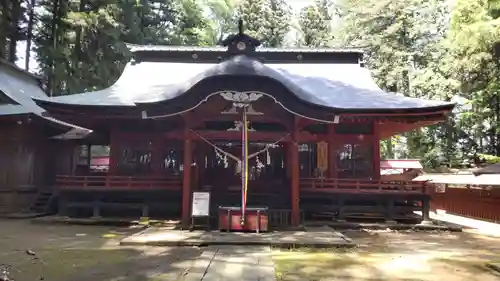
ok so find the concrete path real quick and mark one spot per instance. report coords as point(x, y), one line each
point(473, 225)
point(158, 236)
point(478, 226)
point(228, 263)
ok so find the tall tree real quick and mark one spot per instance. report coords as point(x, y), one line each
point(315, 22)
point(403, 40)
point(471, 61)
point(80, 45)
point(29, 32)
point(266, 20)
point(222, 17)
point(191, 27)
point(12, 20)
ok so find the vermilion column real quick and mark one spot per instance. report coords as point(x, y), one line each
point(295, 177)
point(376, 150)
point(186, 181)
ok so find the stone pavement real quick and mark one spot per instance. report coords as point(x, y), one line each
point(228, 263)
point(475, 225)
point(317, 237)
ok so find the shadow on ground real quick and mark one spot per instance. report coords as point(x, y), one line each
point(395, 255)
point(81, 253)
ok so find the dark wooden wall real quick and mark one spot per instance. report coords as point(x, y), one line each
point(29, 162)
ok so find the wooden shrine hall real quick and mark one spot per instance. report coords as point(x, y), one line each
point(307, 123)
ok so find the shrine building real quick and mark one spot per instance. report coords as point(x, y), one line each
point(173, 124)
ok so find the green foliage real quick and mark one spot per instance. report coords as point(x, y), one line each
point(315, 24)
point(490, 159)
point(416, 48)
point(222, 19)
point(266, 20)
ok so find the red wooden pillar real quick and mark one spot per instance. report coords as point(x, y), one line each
point(376, 150)
point(295, 180)
point(186, 180)
point(332, 157)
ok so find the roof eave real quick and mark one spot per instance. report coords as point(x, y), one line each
point(172, 48)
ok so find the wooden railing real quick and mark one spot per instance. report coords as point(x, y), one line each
point(361, 186)
point(117, 183)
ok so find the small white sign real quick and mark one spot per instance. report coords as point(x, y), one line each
point(201, 204)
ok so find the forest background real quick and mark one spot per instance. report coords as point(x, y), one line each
point(435, 49)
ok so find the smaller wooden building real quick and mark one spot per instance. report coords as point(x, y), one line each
point(33, 147)
point(400, 169)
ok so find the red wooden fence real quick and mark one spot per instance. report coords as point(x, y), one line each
point(117, 183)
point(361, 186)
point(475, 203)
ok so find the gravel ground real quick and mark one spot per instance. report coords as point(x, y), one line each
point(82, 253)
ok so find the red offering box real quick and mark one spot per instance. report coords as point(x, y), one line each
point(230, 219)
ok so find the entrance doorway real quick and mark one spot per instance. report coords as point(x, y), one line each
point(267, 181)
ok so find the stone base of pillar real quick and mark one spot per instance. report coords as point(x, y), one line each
point(426, 222)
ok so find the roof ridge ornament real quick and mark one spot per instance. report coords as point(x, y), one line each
point(240, 43)
point(240, 27)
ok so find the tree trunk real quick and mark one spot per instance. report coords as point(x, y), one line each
point(78, 39)
point(497, 124)
point(29, 35)
point(14, 31)
point(4, 24)
point(53, 36)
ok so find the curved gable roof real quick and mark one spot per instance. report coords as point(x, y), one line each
point(336, 86)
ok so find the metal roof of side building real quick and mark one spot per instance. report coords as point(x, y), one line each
point(20, 86)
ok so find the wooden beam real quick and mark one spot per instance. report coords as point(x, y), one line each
point(389, 129)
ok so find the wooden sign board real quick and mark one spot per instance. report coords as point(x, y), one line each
point(322, 156)
point(200, 204)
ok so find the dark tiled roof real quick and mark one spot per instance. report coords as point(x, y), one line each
point(336, 86)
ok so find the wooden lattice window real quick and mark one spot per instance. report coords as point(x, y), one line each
point(173, 162)
point(355, 161)
point(135, 159)
point(307, 160)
